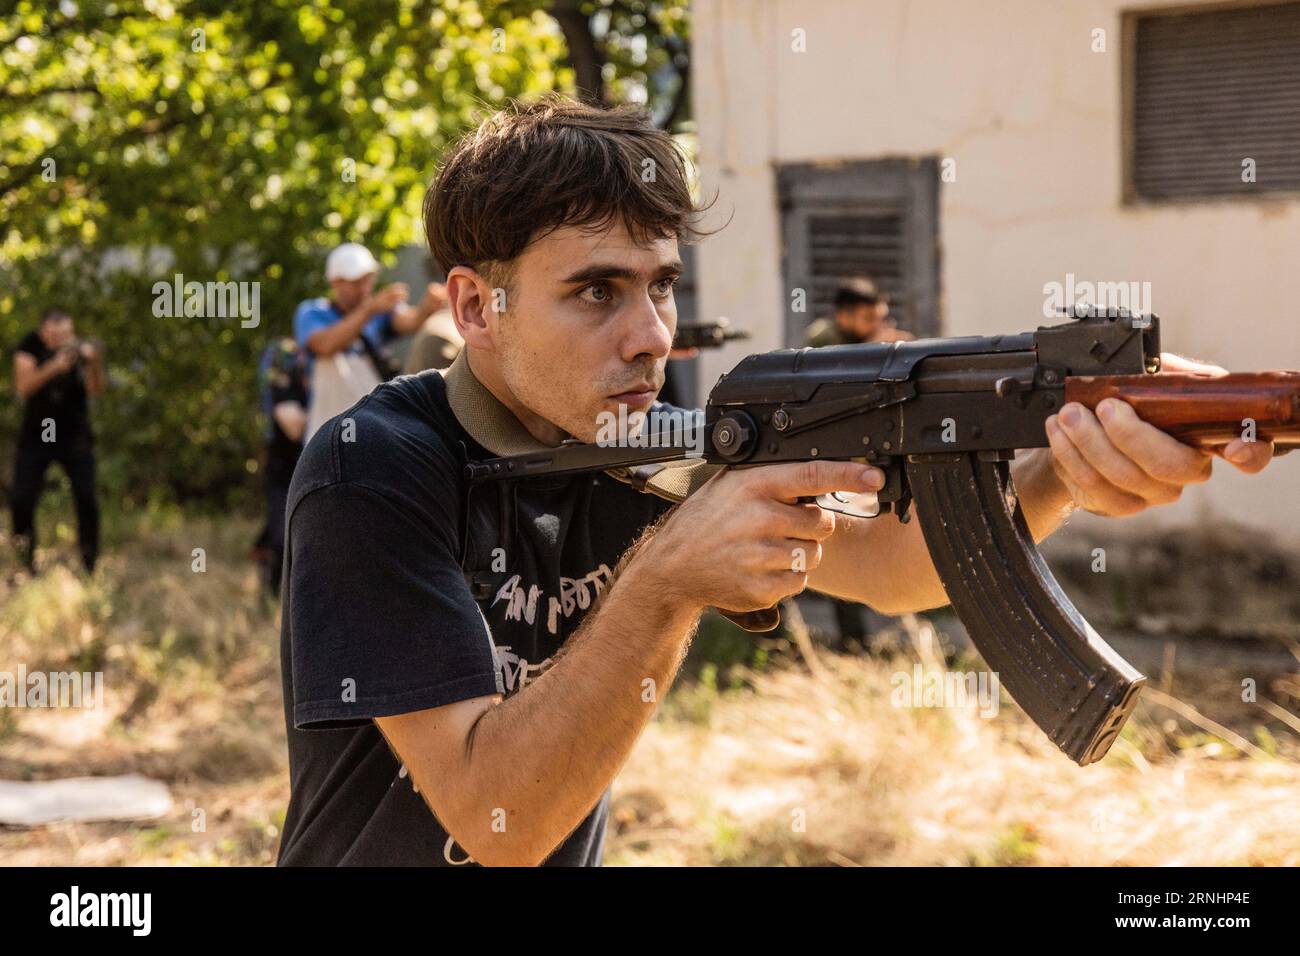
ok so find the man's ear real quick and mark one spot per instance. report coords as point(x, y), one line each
point(468, 298)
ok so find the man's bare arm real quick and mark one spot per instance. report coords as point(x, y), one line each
point(96, 376)
point(337, 337)
point(886, 564)
point(1109, 463)
point(541, 759)
point(511, 779)
point(29, 377)
point(292, 419)
point(407, 319)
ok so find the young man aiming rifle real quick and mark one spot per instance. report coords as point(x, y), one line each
point(435, 718)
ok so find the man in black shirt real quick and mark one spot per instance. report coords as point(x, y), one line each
point(466, 670)
point(53, 373)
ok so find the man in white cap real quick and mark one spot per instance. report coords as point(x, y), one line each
point(343, 334)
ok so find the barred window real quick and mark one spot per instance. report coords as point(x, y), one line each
point(1213, 102)
point(878, 218)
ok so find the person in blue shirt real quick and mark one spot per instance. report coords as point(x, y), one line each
point(343, 334)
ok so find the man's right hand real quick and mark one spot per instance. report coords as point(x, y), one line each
point(63, 360)
point(744, 541)
point(388, 298)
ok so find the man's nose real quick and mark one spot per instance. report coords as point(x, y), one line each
point(647, 333)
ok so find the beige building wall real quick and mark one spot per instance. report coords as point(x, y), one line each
point(1013, 92)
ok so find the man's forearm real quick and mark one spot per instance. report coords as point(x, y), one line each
point(96, 376)
point(407, 319)
point(33, 383)
point(1044, 499)
point(337, 337)
point(546, 755)
point(887, 565)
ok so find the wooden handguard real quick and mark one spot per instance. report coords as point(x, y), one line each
point(1203, 411)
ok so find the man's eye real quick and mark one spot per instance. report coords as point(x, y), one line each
point(597, 293)
point(664, 287)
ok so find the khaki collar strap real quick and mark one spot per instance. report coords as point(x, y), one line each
point(483, 415)
point(495, 427)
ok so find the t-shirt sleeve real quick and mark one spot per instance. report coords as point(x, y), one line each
point(29, 344)
point(311, 318)
point(285, 392)
point(284, 382)
point(381, 619)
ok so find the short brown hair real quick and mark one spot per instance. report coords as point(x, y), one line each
point(856, 290)
point(534, 167)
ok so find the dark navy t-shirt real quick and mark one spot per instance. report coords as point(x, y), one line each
point(379, 617)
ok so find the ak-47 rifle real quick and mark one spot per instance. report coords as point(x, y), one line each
point(942, 418)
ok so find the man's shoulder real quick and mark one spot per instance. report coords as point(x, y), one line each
point(30, 343)
point(824, 332)
point(399, 441)
point(320, 304)
point(312, 314)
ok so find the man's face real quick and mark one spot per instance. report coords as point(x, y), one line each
point(58, 332)
point(589, 325)
point(864, 321)
point(350, 293)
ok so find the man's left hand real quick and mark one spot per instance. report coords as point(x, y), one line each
point(1113, 463)
point(435, 298)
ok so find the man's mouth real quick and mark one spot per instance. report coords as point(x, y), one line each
point(639, 395)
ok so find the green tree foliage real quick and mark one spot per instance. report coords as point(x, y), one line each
point(240, 141)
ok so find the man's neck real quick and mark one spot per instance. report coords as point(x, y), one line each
point(489, 376)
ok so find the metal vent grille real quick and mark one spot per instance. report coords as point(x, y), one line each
point(878, 218)
point(1212, 89)
point(856, 245)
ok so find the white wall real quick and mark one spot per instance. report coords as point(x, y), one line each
point(1013, 92)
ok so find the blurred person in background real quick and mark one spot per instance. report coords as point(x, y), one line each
point(282, 376)
point(435, 345)
point(344, 334)
point(54, 372)
point(861, 315)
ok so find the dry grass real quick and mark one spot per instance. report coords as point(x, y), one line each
point(721, 777)
point(191, 696)
point(799, 772)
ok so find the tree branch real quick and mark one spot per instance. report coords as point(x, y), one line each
point(584, 55)
point(11, 97)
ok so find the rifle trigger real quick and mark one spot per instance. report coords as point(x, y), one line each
point(850, 504)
